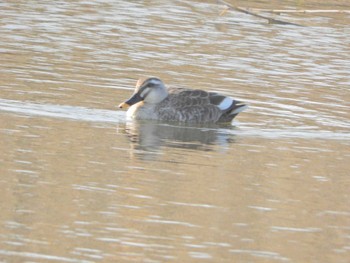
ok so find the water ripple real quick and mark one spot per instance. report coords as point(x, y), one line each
point(39, 256)
point(61, 111)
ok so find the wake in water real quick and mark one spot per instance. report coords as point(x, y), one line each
point(61, 111)
point(108, 116)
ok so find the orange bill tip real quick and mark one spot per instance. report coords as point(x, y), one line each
point(123, 105)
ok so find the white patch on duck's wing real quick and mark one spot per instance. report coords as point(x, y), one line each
point(225, 104)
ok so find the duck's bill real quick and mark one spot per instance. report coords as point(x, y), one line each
point(133, 100)
point(123, 105)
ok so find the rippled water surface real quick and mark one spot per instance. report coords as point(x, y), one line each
point(80, 184)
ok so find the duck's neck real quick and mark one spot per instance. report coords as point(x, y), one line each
point(142, 111)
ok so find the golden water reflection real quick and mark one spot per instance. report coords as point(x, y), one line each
point(80, 184)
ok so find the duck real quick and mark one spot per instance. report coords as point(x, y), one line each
point(152, 100)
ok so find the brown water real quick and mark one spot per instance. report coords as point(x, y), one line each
point(80, 184)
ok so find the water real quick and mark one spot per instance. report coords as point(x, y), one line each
point(80, 184)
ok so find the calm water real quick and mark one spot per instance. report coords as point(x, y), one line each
point(80, 184)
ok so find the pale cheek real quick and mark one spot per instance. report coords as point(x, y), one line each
point(151, 98)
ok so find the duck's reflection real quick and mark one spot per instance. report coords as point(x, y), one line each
point(149, 137)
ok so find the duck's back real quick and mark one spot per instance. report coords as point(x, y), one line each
point(186, 105)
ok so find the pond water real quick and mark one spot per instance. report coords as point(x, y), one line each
point(80, 184)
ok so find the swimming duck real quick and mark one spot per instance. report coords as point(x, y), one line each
point(153, 101)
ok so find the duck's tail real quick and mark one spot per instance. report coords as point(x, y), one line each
point(230, 113)
point(228, 106)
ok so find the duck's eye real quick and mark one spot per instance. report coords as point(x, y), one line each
point(145, 92)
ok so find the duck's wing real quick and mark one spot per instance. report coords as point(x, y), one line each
point(188, 106)
point(186, 98)
point(229, 107)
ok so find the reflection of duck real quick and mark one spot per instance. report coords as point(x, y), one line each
point(152, 100)
point(149, 135)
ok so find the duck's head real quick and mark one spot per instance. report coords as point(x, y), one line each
point(151, 90)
